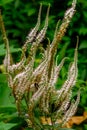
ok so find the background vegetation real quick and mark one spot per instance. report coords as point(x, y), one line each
point(19, 17)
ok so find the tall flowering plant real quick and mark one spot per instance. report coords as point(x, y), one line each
point(36, 85)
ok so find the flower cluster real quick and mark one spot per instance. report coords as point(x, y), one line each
point(36, 85)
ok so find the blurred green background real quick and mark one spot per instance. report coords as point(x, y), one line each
point(20, 17)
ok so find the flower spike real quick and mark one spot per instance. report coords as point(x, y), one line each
point(42, 33)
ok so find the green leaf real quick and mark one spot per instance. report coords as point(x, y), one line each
point(9, 109)
point(83, 45)
point(3, 2)
point(12, 50)
point(83, 31)
point(2, 50)
point(38, 122)
point(5, 99)
point(31, 12)
point(3, 78)
point(7, 126)
point(6, 116)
